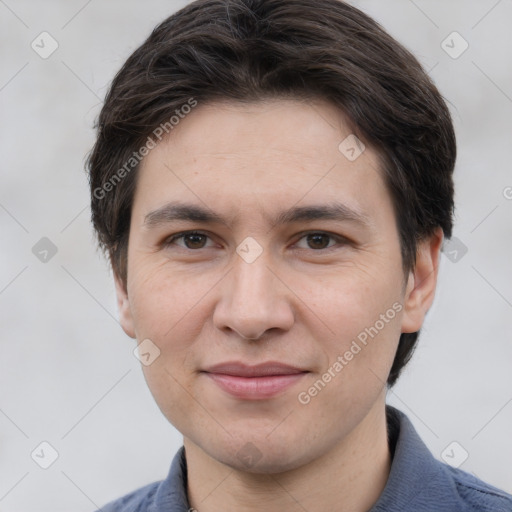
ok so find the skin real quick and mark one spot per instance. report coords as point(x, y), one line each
point(301, 302)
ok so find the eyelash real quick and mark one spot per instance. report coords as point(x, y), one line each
point(340, 239)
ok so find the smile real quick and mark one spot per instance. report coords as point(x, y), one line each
point(257, 382)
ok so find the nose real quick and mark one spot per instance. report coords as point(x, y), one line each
point(254, 300)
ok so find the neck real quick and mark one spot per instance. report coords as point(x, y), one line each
point(348, 478)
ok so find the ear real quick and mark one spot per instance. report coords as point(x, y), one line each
point(422, 281)
point(123, 304)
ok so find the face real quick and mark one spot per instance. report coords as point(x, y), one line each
point(290, 278)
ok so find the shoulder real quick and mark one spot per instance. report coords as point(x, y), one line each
point(476, 494)
point(168, 494)
point(418, 481)
point(137, 501)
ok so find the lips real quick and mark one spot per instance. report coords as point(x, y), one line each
point(256, 382)
point(260, 370)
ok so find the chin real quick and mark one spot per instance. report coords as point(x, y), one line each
point(259, 456)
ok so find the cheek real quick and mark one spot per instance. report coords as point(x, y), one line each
point(168, 307)
point(363, 313)
point(358, 366)
point(172, 392)
point(163, 309)
point(353, 299)
point(162, 300)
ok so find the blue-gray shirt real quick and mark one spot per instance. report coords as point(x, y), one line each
point(417, 482)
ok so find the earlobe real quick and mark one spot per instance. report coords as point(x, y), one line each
point(124, 307)
point(422, 281)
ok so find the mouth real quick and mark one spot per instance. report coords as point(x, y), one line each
point(257, 382)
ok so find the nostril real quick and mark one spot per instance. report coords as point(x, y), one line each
point(252, 338)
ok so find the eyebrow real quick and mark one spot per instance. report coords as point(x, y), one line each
point(178, 211)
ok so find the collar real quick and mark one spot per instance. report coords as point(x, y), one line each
point(417, 481)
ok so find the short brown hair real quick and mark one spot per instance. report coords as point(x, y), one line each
point(250, 50)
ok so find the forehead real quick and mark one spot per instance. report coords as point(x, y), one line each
point(259, 156)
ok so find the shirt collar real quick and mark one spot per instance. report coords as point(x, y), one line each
point(414, 478)
point(417, 481)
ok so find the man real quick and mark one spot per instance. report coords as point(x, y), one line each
point(272, 181)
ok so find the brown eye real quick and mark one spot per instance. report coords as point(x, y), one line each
point(318, 240)
point(190, 240)
point(194, 240)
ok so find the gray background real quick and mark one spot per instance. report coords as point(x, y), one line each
point(67, 372)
